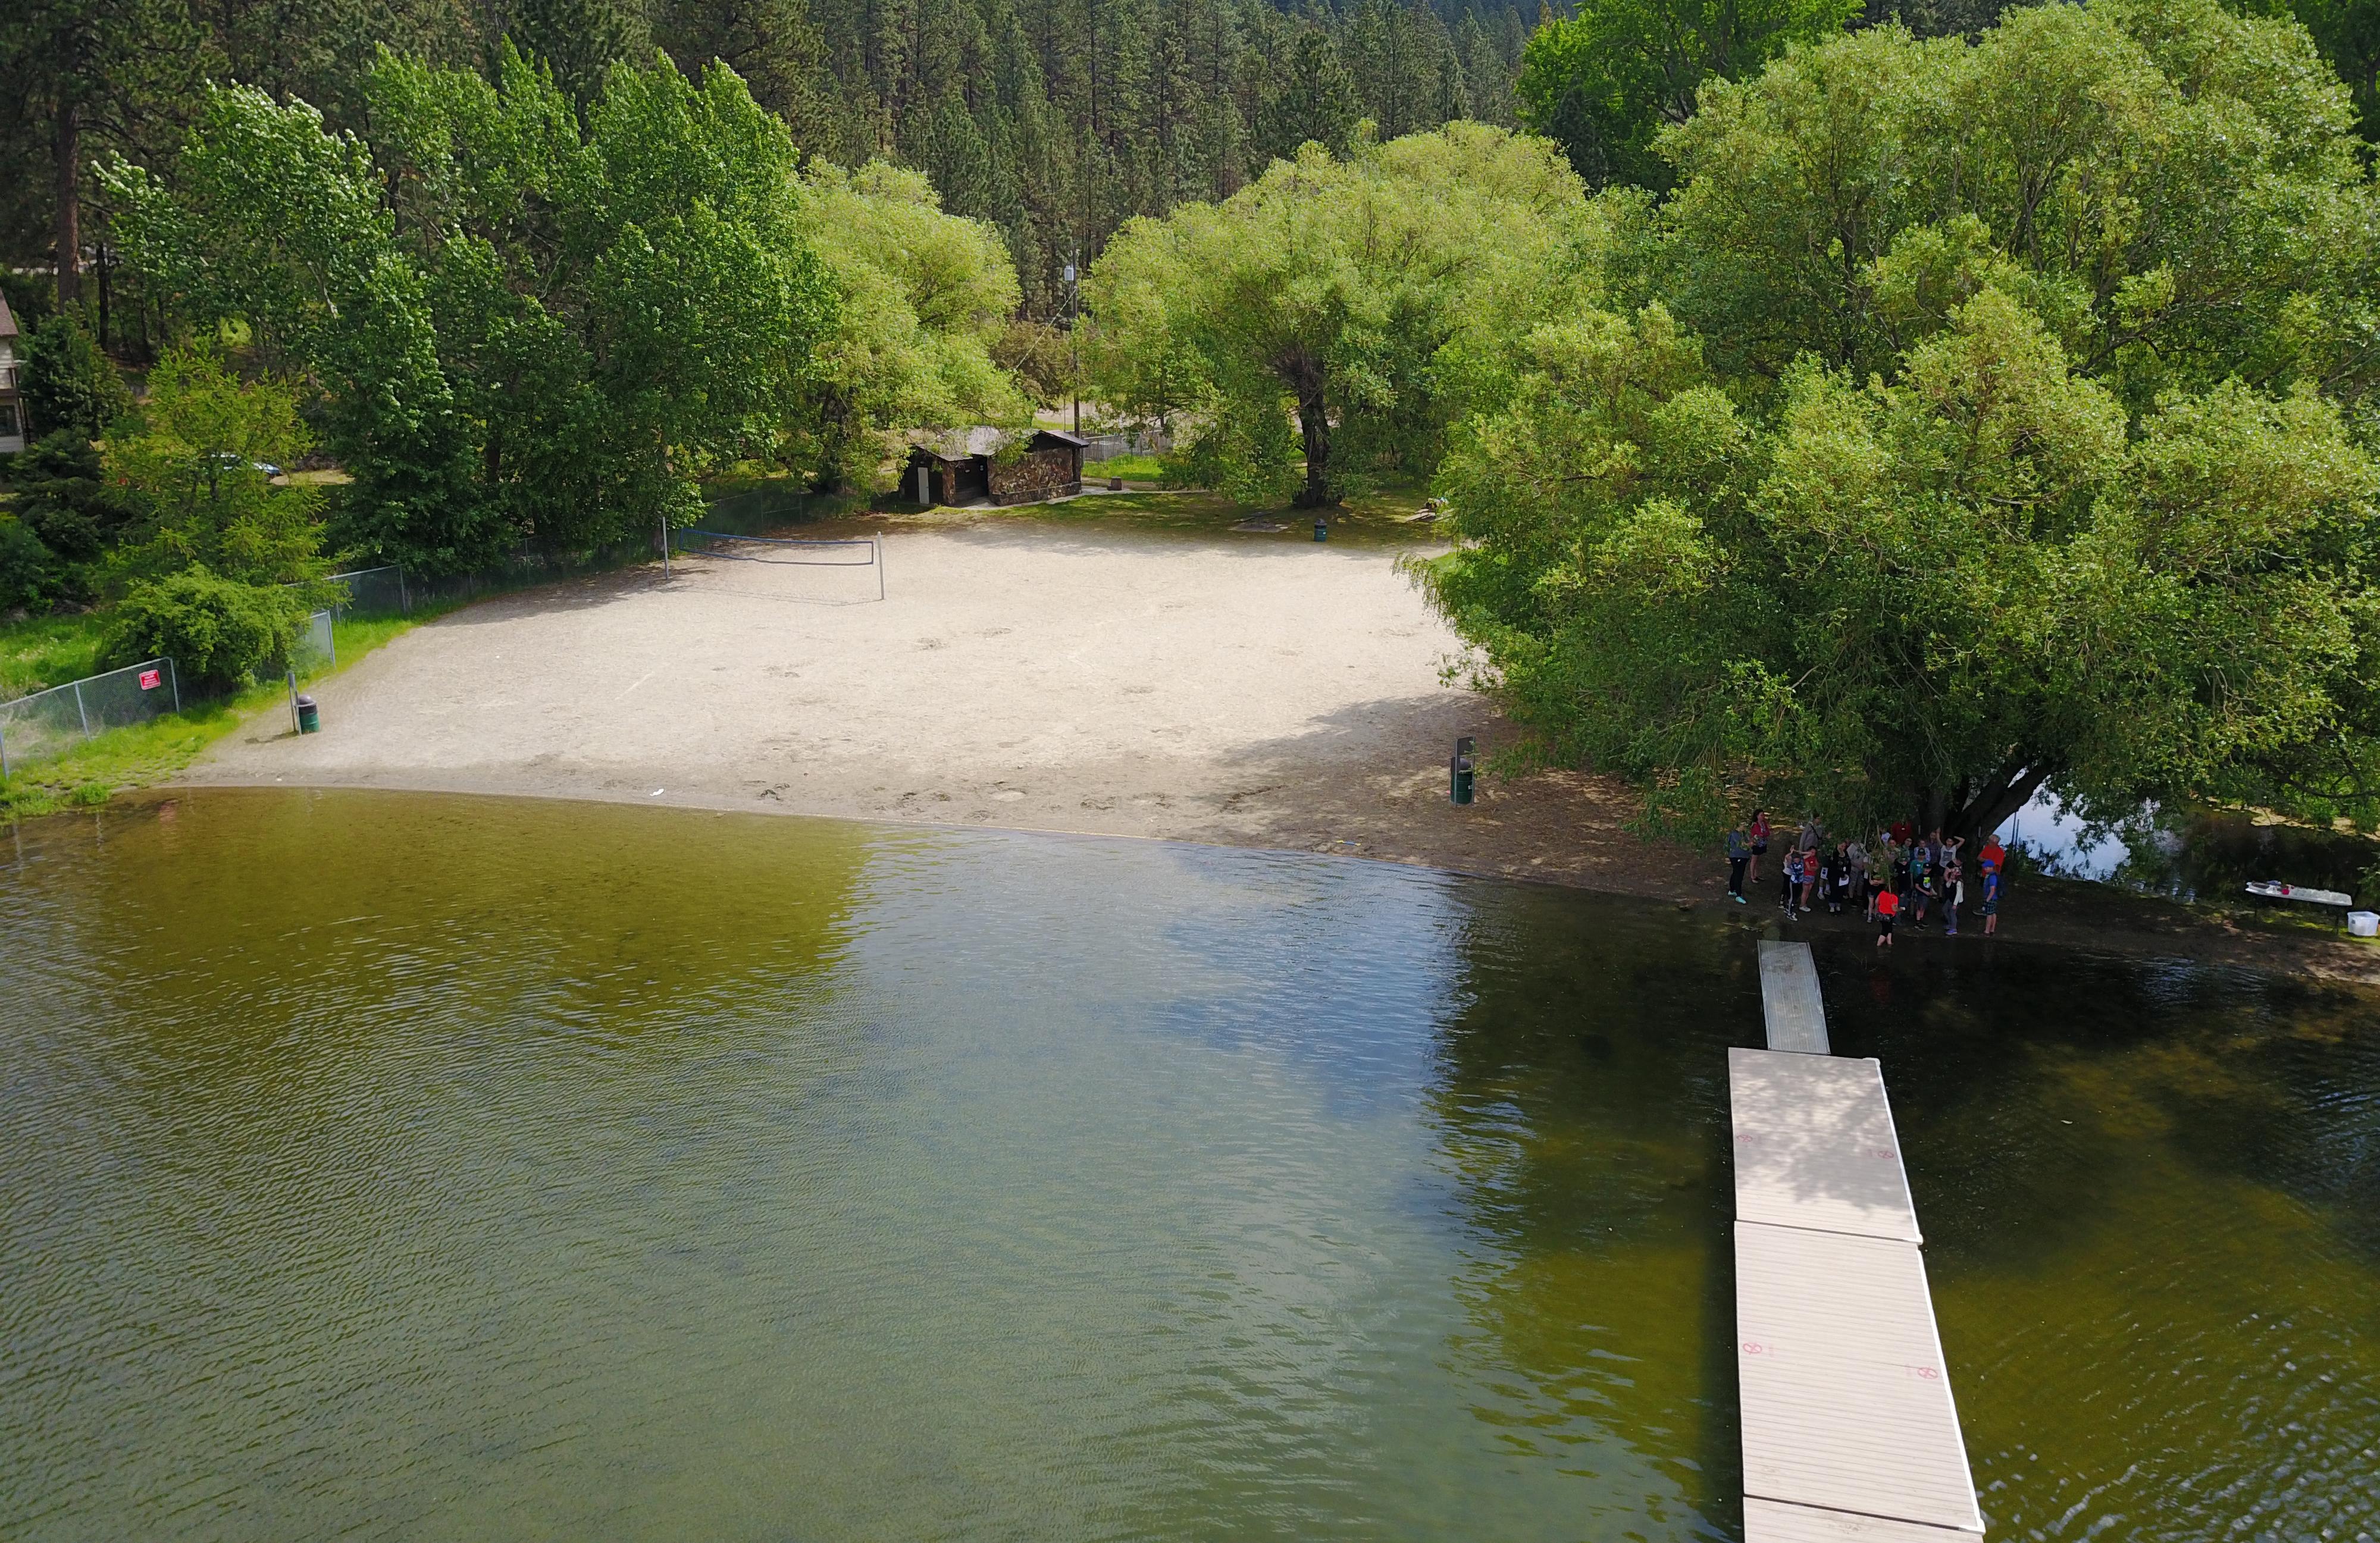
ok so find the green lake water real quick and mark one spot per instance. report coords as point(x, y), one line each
point(392, 1166)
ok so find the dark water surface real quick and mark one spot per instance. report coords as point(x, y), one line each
point(394, 1167)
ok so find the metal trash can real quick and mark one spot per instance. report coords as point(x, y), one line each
point(1321, 530)
point(310, 717)
point(1460, 771)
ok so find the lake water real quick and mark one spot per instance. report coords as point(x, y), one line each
point(396, 1166)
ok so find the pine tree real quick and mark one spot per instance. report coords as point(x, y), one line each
point(580, 38)
point(1316, 101)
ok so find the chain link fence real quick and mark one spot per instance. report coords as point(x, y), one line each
point(371, 592)
point(315, 649)
point(1111, 447)
point(756, 510)
point(49, 723)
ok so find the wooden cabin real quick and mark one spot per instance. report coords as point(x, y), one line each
point(968, 465)
point(12, 408)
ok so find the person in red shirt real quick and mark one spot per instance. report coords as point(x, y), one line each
point(1888, 906)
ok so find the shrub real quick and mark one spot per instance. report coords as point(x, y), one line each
point(67, 383)
point(30, 574)
point(218, 632)
point(61, 501)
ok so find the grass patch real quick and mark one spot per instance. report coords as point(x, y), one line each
point(143, 753)
point(47, 651)
point(1132, 468)
point(1376, 519)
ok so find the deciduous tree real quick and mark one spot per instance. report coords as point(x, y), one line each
point(1981, 420)
point(1606, 80)
point(1364, 300)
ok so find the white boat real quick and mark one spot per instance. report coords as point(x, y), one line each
point(2265, 890)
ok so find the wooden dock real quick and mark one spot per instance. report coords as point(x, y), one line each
point(1849, 1432)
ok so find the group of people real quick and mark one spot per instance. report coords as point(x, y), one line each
point(1903, 875)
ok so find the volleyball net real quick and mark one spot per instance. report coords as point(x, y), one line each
point(751, 555)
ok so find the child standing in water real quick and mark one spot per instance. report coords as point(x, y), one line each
point(1887, 906)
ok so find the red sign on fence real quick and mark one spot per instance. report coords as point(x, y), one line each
point(151, 678)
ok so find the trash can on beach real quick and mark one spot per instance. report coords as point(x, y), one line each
point(2363, 923)
point(1460, 771)
point(310, 717)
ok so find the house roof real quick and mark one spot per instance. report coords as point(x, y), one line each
point(8, 318)
point(959, 444)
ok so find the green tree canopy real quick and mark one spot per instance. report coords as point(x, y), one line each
point(1605, 83)
point(524, 329)
point(2174, 190)
point(194, 474)
point(922, 296)
point(1974, 416)
point(1355, 298)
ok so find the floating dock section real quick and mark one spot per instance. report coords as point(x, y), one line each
point(1788, 997)
point(1850, 1434)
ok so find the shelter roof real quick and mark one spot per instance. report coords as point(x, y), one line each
point(959, 444)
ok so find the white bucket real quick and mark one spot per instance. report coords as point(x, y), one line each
point(2363, 923)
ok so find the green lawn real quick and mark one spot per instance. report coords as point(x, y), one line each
point(1132, 468)
point(140, 754)
point(1375, 519)
point(47, 651)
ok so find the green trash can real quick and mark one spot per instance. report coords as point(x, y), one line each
point(1460, 771)
point(310, 717)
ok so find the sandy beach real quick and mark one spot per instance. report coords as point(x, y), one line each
point(1241, 689)
point(1254, 690)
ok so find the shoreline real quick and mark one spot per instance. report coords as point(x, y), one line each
point(1037, 675)
point(2078, 913)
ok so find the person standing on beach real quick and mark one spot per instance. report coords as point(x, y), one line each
point(1759, 834)
point(1954, 892)
point(1856, 859)
point(1789, 879)
point(1738, 851)
point(1813, 873)
point(1991, 894)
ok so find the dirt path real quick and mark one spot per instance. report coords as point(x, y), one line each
point(1255, 691)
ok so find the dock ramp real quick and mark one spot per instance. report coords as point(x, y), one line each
point(1850, 1431)
point(1788, 997)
